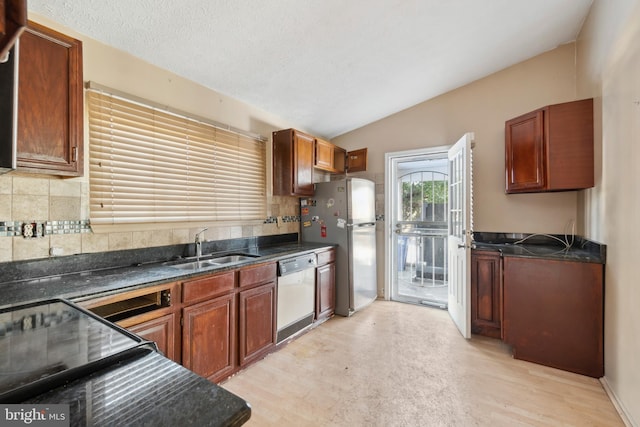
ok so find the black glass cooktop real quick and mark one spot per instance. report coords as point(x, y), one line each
point(46, 344)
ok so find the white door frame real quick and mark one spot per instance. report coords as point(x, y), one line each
point(390, 161)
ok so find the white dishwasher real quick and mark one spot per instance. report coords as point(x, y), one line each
point(296, 295)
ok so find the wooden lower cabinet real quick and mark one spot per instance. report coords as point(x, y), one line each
point(486, 293)
point(325, 285)
point(257, 322)
point(209, 337)
point(228, 320)
point(554, 313)
point(162, 332)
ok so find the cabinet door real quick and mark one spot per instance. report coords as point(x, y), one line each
point(486, 298)
point(524, 153)
point(50, 103)
point(569, 145)
point(324, 155)
point(550, 149)
point(303, 164)
point(553, 313)
point(208, 338)
point(161, 331)
point(325, 291)
point(357, 160)
point(293, 158)
point(257, 322)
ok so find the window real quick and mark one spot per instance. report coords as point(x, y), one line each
point(150, 165)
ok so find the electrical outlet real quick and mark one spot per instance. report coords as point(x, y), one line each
point(279, 221)
point(27, 323)
point(27, 230)
point(56, 251)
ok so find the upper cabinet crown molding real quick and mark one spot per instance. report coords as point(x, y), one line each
point(13, 20)
point(550, 149)
point(50, 103)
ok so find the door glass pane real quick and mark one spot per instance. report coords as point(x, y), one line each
point(421, 232)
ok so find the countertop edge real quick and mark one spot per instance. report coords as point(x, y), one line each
point(83, 285)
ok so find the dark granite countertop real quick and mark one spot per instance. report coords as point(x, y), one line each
point(148, 391)
point(541, 246)
point(104, 280)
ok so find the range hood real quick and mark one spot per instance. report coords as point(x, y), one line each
point(9, 111)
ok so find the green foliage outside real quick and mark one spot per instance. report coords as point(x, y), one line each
point(416, 194)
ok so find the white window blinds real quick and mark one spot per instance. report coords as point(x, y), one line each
point(148, 165)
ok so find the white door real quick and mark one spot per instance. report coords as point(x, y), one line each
point(460, 234)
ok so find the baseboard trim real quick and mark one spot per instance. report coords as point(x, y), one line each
point(616, 403)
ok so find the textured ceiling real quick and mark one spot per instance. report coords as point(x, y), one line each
point(326, 66)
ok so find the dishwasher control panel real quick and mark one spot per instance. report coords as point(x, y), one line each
point(298, 263)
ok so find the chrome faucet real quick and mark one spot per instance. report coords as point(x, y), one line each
point(199, 244)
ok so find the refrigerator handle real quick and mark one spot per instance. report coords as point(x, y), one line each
point(362, 224)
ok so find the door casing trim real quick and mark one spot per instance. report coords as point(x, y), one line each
point(390, 159)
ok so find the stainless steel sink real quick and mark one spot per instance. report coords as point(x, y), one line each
point(194, 265)
point(228, 259)
point(190, 264)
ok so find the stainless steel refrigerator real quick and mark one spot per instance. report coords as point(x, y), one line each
point(343, 213)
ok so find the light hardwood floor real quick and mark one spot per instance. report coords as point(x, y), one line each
point(403, 365)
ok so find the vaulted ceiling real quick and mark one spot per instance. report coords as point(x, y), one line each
point(326, 66)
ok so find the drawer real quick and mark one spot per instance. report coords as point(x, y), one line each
point(207, 287)
point(326, 257)
point(259, 274)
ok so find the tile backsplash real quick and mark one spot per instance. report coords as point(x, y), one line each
point(42, 228)
point(59, 210)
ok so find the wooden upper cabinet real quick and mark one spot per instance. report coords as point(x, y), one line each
point(357, 160)
point(13, 20)
point(296, 154)
point(334, 159)
point(330, 157)
point(293, 159)
point(50, 103)
point(550, 149)
point(324, 155)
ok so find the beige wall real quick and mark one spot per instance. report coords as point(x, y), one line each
point(609, 70)
point(27, 197)
point(482, 107)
